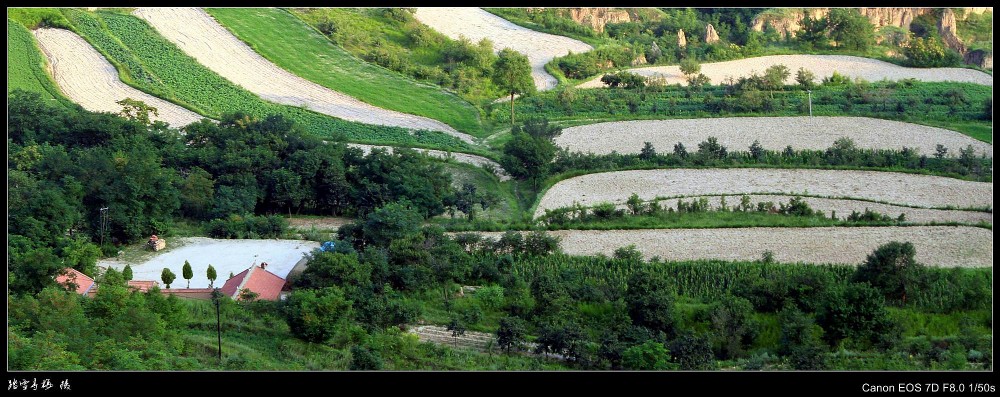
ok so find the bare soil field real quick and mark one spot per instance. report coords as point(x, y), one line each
point(942, 246)
point(477, 24)
point(87, 78)
point(478, 161)
point(320, 223)
point(821, 65)
point(774, 133)
point(200, 36)
point(226, 256)
point(843, 208)
point(888, 187)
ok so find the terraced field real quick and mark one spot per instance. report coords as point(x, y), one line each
point(843, 208)
point(477, 24)
point(821, 65)
point(88, 79)
point(26, 65)
point(774, 133)
point(200, 36)
point(944, 246)
point(888, 187)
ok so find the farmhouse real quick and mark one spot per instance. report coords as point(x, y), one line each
point(83, 283)
point(257, 280)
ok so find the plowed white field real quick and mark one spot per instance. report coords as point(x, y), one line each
point(774, 133)
point(890, 187)
point(821, 65)
point(200, 36)
point(88, 79)
point(477, 24)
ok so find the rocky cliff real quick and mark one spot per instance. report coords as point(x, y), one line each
point(597, 18)
point(711, 35)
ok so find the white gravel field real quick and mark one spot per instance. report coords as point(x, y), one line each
point(821, 65)
point(843, 208)
point(942, 246)
point(200, 36)
point(477, 24)
point(224, 255)
point(88, 79)
point(889, 187)
point(774, 133)
point(478, 161)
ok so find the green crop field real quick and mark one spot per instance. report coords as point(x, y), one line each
point(150, 63)
point(296, 47)
point(25, 66)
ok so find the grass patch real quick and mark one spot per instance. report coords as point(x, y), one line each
point(291, 44)
point(26, 66)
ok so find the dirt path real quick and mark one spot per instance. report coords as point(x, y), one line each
point(942, 246)
point(200, 36)
point(821, 65)
point(88, 79)
point(889, 187)
point(774, 133)
point(478, 161)
point(477, 24)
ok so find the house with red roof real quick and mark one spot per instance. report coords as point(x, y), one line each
point(256, 279)
point(84, 284)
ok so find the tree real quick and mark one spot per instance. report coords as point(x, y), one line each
point(732, 320)
point(689, 66)
point(692, 352)
point(649, 356)
point(650, 301)
point(800, 339)
point(850, 29)
point(468, 197)
point(387, 223)
point(127, 273)
point(680, 150)
point(326, 269)
point(457, 328)
point(855, 311)
point(929, 53)
point(314, 315)
point(137, 110)
point(756, 150)
point(167, 276)
point(187, 273)
point(806, 79)
point(775, 76)
point(512, 73)
point(511, 333)
point(197, 193)
point(648, 152)
point(529, 152)
point(364, 359)
point(813, 33)
point(210, 273)
point(892, 269)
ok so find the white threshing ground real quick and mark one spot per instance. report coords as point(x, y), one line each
point(478, 161)
point(88, 79)
point(821, 65)
point(843, 208)
point(226, 256)
point(774, 133)
point(477, 24)
point(200, 36)
point(944, 246)
point(889, 187)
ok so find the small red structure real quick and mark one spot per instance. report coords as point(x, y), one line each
point(265, 284)
point(155, 243)
point(83, 283)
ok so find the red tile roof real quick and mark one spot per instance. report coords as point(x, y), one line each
point(82, 281)
point(142, 285)
point(266, 284)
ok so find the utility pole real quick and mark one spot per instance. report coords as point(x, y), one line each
point(104, 223)
point(216, 296)
point(810, 102)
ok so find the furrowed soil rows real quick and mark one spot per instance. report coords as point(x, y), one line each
point(200, 36)
point(821, 65)
point(888, 187)
point(477, 24)
point(478, 161)
point(774, 133)
point(843, 208)
point(943, 246)
point(88, 79)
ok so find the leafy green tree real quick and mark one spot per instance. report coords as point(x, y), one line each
point(390, 222)
point(315, 315)
point(528, 154)
point(326, 269)
point(775, 76)
point(127, 273)
point(457, 328)
point(690, 66)
point(167, 277)
point(806, 79)
point(756, 150)
point(468, 197)
point(649, 356)
point(733, 322)
point(650, 301)
point(850, 29)
point(855, 311)
point(197, 193)
point(800, 339)
point(512, 73)
point(187, 273)
point(511, 333)
point(692, 352)
point(210, 273)
point(136, 110)
point(648, 152)
point(364, 359)
point(813, 33)
point(892, 269)
point(929, 53)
